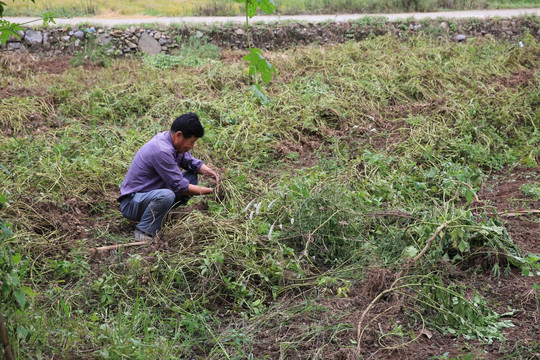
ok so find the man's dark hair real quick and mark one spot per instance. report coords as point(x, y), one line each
point(189, 125)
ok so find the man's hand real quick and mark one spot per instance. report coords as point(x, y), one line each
point(205, 170)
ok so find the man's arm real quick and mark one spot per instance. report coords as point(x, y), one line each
point(205, 170)
point(201, 190)
point(197, 190)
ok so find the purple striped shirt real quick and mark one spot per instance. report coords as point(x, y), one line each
point(156, 166)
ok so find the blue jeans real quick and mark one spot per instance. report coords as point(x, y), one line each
point(150, 208)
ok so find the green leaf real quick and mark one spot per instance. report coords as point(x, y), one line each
point(259, 94)
point(457, 234)
point(4, 230)
point(463, 246)
point(23, 332)
point(469, 195)
point(517, 261)
point(29, 292)
point(257, 63)
point(48, 17)
point(431, 173)
point(2, 4)
point(2, 199)
point(410, 252)
point(19, 296)
point(268, 6)
point(16, 258)
point(6, 30)
point(251, 9)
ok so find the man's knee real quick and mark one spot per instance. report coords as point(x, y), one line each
point(165, 198)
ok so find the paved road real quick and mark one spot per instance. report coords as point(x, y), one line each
point(266, 19)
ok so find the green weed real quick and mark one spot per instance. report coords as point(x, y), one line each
point(462, 315)
point(532, 190)
point(195, 53)
point(91, 52)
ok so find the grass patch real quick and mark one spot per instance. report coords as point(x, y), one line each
point(194, 53)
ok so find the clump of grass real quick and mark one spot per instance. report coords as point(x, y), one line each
point(532, 190)
point(194, 53)
point(92, 53)
point(162, 61)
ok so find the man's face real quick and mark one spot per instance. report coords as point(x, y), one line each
point(181, 143)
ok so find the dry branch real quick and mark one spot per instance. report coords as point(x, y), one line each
point(114, 247)
point(428, 244)
point(518, 212)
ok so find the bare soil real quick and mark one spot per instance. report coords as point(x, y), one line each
point(502, 191)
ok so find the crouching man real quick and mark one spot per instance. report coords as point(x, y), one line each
point(154, 183)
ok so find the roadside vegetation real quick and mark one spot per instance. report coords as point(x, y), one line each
point(349, 221)
point(67, 8)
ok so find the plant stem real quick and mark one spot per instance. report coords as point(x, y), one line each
point(428, 244)
point(247, 26)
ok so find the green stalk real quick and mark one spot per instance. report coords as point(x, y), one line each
point(247, 26)
point(248, 38)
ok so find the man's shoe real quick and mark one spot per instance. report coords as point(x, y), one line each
point(142, 236)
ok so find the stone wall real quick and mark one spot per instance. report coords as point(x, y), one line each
point(139, 39)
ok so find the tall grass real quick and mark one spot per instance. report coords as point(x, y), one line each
point(363, 150)
point(230, 8)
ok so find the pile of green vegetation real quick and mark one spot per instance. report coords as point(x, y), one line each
point(359, 154)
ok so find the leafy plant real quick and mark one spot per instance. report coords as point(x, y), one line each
point(531, 189)
point(257, 62)
point(199, 48)
point(530, 266)
point(162, 61)
point(96, 54)
point(193, 54)
point(12, 292)
point(69, 269)
point(459, 314)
